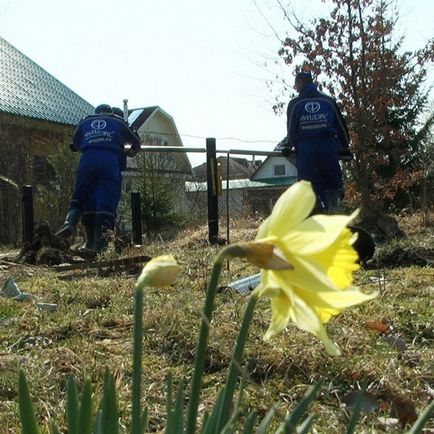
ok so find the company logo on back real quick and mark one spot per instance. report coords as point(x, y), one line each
point(312, 106)
point(98, 124)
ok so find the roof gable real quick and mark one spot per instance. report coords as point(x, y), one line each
point(28, 90)
point(155, 121)
point(157, 128)
point(137, 117)
point(265, 170)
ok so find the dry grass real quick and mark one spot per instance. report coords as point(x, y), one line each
point(92, 330)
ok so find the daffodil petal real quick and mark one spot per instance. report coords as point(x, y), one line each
point(263, 229)
point(307, 319)
point(266, 291)
point(305, 275)
point(325, 315)
point(316, 233)
point(292, 207)
point(329, 345)
point(339, 260)
point(334, 299)
point(280, 308)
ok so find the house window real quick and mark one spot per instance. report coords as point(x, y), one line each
point(279, 170)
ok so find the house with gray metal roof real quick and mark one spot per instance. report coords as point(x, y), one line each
point(38, 115)
point(28, 91)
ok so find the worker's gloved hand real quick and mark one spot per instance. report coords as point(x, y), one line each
point(346, 155)
point(72, 147)
point(284, 147)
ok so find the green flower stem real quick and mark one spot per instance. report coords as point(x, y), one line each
point(137, 362)
point(199, 362)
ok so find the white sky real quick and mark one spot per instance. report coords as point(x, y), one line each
point(199, 60)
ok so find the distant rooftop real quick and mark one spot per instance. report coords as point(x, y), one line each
point(238, 168)
point(28, 90)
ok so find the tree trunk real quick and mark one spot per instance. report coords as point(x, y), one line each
point(373, 218)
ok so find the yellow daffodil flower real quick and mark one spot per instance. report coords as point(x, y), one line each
point(159, 271)
point(317, 283)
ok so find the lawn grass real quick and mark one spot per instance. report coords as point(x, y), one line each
point(387, 342)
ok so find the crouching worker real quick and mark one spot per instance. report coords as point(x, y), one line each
point(101, 139)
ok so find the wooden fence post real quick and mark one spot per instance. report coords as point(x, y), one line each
point(211, 175)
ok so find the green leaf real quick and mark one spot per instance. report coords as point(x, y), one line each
point(144, 421)
point(422, 419)
point(109, 410)
point(169, 404)
point(265, 423)
point(85, 413)
point(305, 427)
point(175, 415)
point(178, 416)
point(209, 426)
point(98, 423)
point(202, 344)
point(301, 408)
point(229, 427)
point(54, 429)
point(250, 423)
point(72, 405)
point(234, 369)
point(27, 415)
point(357, 408)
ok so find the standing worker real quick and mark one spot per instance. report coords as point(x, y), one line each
point(318, 133)
point(101, 139)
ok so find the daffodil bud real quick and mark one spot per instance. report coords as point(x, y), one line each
point(160, 271)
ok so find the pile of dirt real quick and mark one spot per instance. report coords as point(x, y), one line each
point(45, 249)
point(401, 257)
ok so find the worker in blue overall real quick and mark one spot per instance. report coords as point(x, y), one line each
point(318, 133)
point(101, 139)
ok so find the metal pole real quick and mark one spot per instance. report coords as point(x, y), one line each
point(211, 175)
point(27, 213)
point(136, 215)
point(227, 205)
point(125, 101)
point(227, 198)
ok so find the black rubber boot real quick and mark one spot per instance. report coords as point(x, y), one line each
point(90, 237)
point(364, 245)
point(70, 224)
point(103, 222)
point(88, 222)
